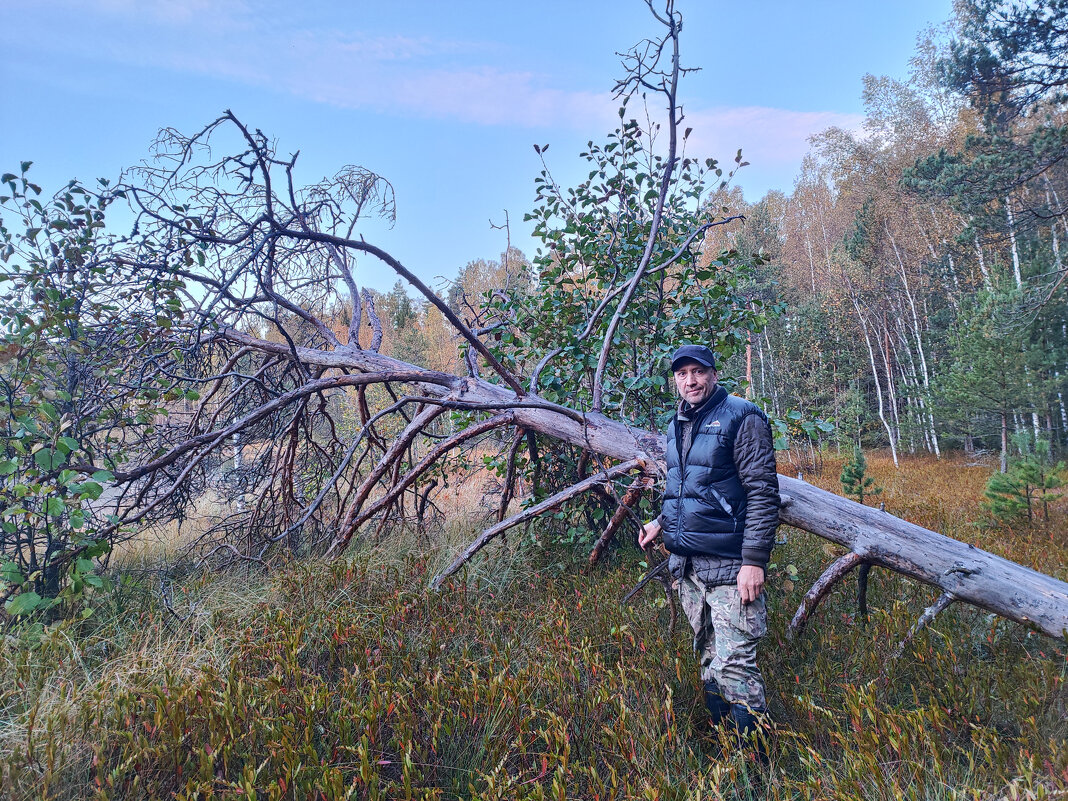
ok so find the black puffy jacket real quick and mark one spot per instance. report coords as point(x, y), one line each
point(721, 501)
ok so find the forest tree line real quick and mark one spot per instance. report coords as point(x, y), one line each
point(913, 280)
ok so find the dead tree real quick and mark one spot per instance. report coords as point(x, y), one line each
point(346, 436)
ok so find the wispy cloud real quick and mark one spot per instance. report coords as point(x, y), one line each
point(769, 136)
point(481, 95)
point(415, 76)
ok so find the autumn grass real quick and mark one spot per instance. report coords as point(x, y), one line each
point(524, 678)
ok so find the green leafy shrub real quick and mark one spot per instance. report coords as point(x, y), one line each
point(77, 327)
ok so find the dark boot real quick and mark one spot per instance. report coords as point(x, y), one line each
point(752, 736)
point(718, 708)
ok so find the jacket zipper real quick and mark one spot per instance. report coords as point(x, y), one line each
point(682, 476)
point(695, 428)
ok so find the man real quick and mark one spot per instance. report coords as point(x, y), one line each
point(721, 509)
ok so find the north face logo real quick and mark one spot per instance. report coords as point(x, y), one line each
point(713, 424)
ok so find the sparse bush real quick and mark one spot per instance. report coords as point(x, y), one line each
point(78, 326)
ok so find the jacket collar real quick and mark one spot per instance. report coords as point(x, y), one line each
point(687, 412)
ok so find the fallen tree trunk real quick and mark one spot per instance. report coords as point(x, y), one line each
point(963, 572)
point(966, 573)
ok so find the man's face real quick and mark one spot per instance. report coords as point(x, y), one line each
point(695, 382)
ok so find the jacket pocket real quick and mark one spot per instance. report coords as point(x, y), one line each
point(723, 503)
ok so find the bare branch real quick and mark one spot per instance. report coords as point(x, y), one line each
point(823, 585)
point(534, 511)
point(509, 475)
point(929, 614)
point(375, 323)
point(354, 522)
point(670, 88)
point(626, 504)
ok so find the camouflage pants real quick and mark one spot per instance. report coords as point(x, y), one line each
point(726, 632)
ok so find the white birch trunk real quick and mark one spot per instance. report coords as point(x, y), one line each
point(1012, 241)
point(1004, 442)
point(936, 263)
point(875, 375)
point(982, 264)
point(919, 338)
point(811, 264)
point(891, 389)
point(773, 372)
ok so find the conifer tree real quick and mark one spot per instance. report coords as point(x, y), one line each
point(1029, 482)
point(854, 478)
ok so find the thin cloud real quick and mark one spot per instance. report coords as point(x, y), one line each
point(483, 95)
point(768, 136)
point(419, 77)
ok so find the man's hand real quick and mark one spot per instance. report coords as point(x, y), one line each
point(750, 582)
point(650, 531)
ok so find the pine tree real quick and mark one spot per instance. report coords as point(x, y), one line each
point(1031, 480)
point(854, 478)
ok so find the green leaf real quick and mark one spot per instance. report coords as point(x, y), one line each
point(69, 443)
point(24, 603)
point(7, 466)
point(103, 475)
point(98, 548)
point(10, 573)
point(84, 565)
point(54, 507)
point(89, 489)
point(49, 460)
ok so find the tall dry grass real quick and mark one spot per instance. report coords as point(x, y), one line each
point(525, 679)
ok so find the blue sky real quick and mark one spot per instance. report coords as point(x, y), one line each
point(445, 99)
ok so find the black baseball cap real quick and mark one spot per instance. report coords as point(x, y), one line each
point(693, 353)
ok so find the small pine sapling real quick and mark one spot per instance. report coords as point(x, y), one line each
point(1029, 482)
point(855, 480)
